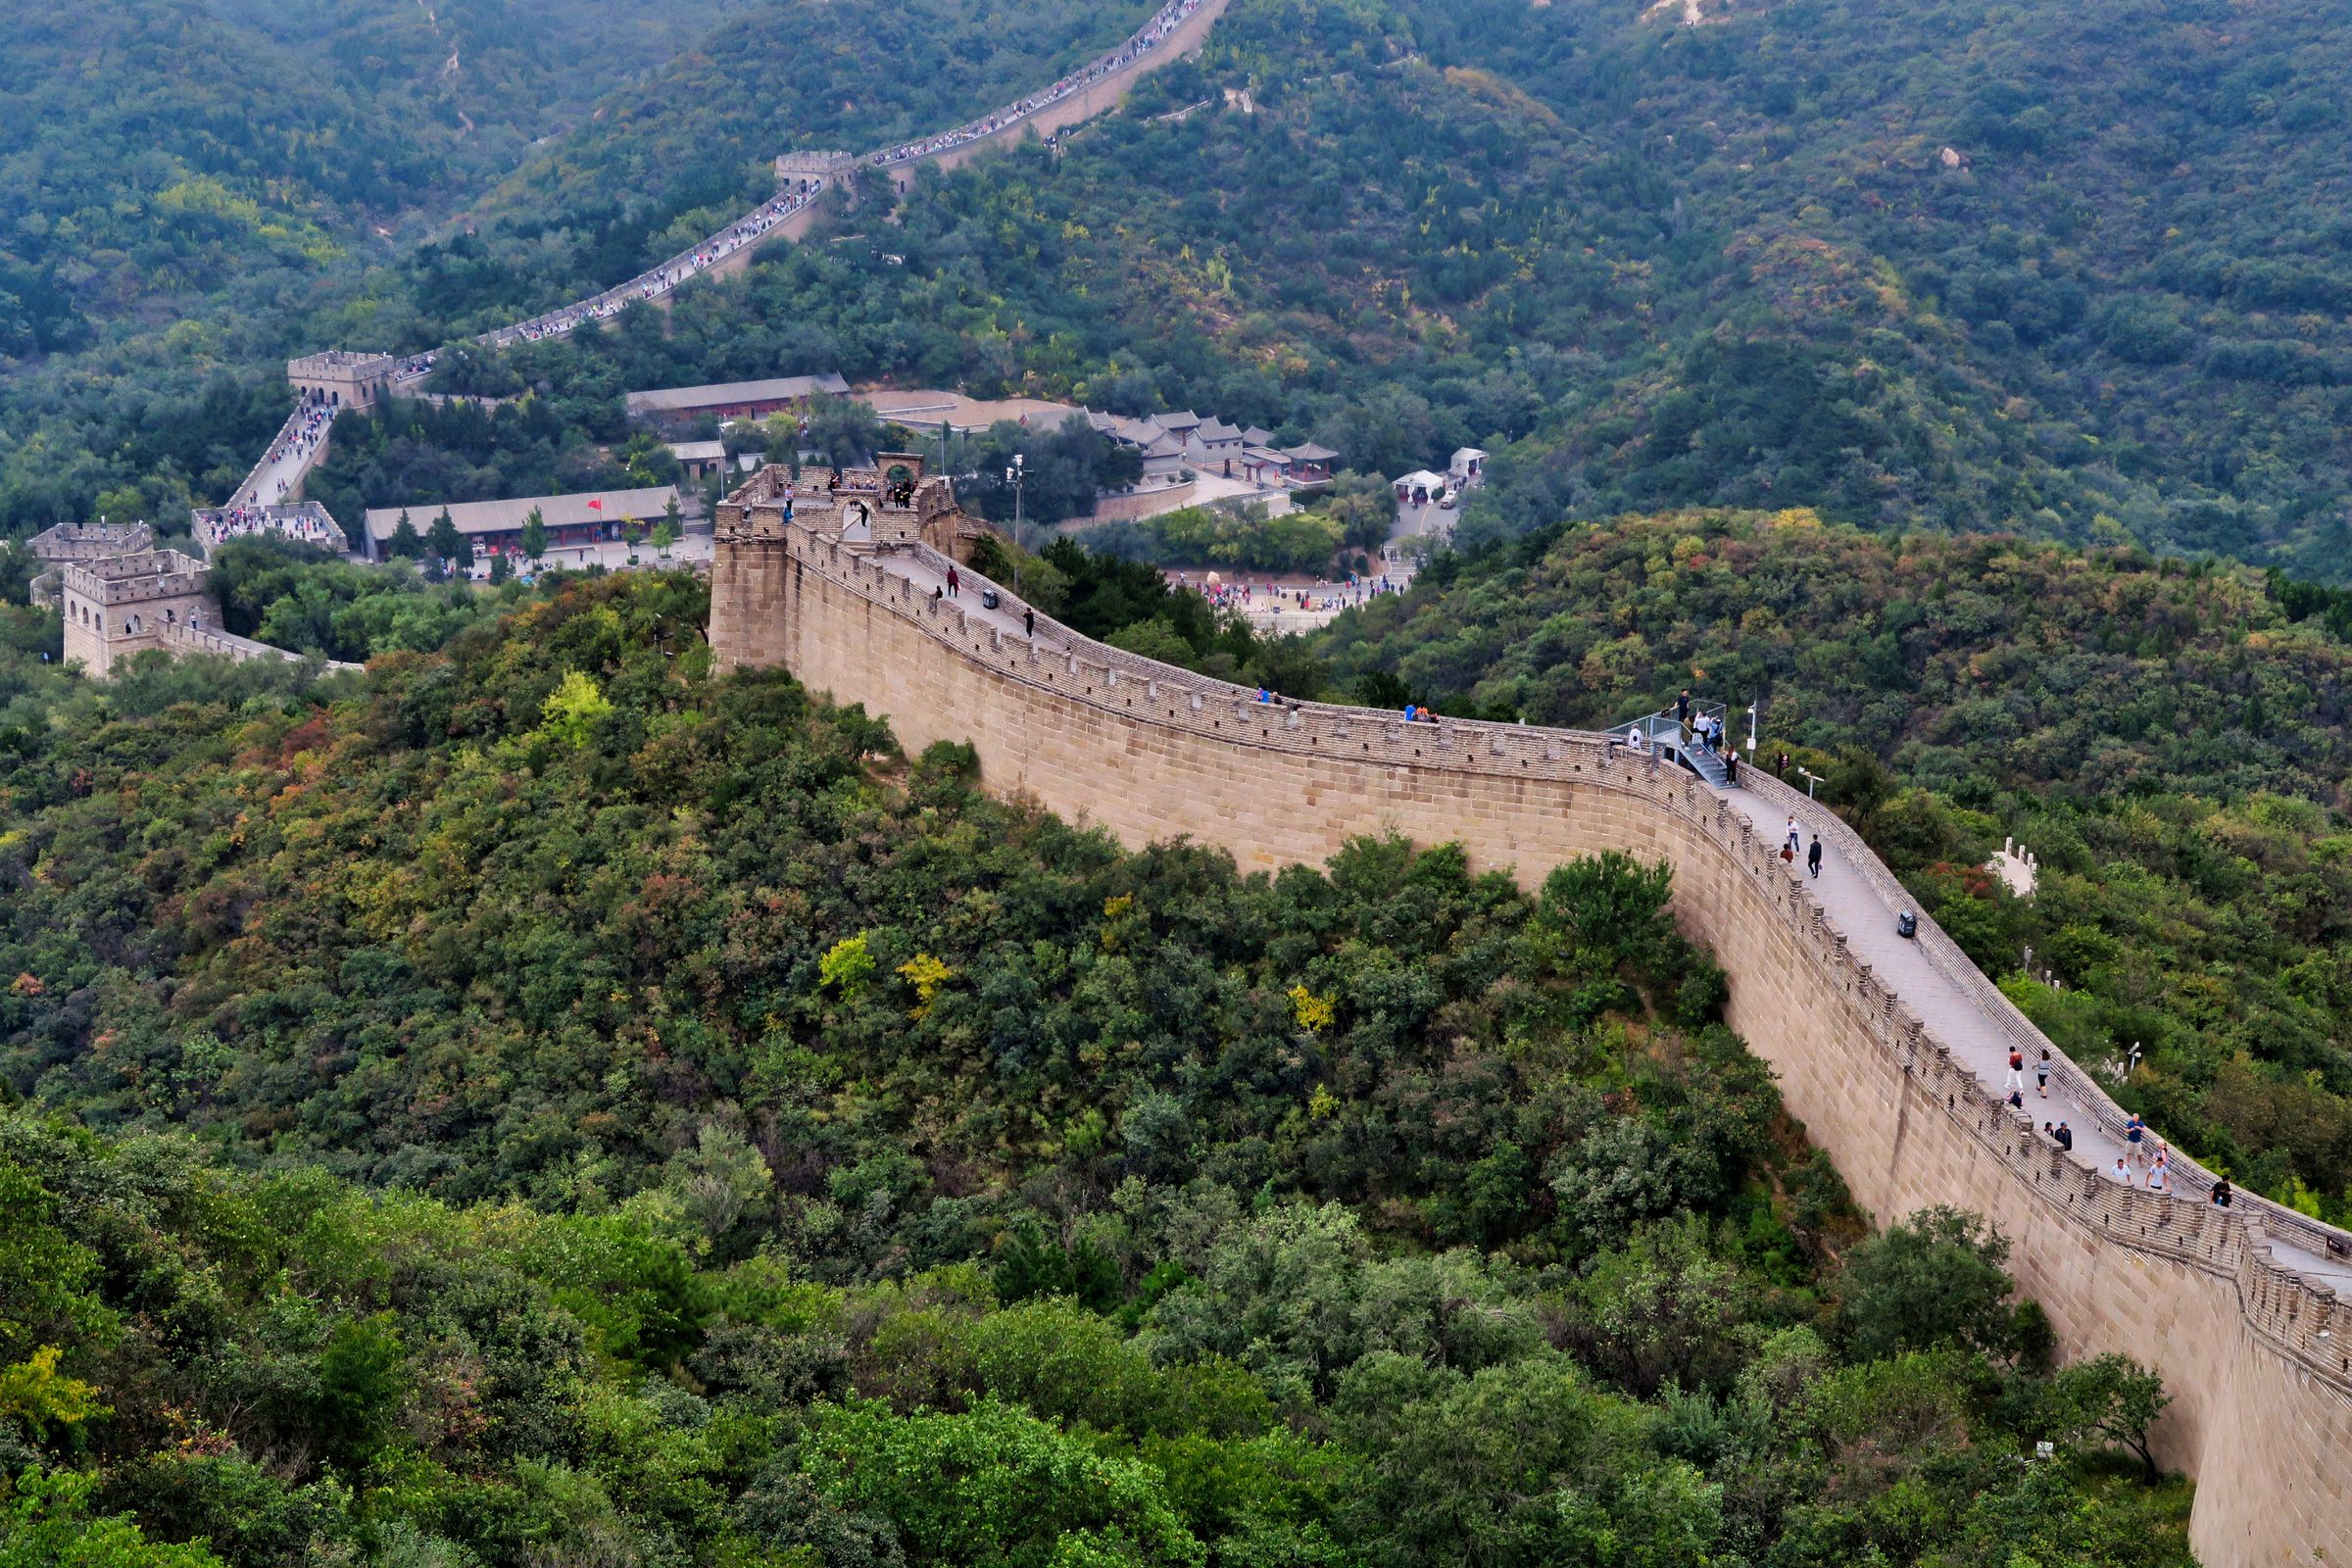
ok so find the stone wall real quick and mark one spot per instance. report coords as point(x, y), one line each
point(1096, 98)
point(1129, 505)
point(2262, 1391)
point(183, 639)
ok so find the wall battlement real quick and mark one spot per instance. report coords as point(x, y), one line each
point(2252, 1350)
point(133, 580)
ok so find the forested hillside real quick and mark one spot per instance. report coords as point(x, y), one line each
point(2062, 270)
point(2170, 740)
point(1725, 264)
point(157, 151)
point(537, 1103)
point(693, 147)
point(193, 194)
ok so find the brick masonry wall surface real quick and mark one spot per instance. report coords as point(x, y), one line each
point(2263, 1394)
point(98, 651)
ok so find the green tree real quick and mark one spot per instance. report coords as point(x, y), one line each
point(1364, 506)
point(1933, 1280)
point(404, 545)
point(2109, 1396)
point(995, 1485)
point(573, 710)
point(534, 536)
point(46, 1523)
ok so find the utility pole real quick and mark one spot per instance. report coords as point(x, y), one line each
point(1751, 733)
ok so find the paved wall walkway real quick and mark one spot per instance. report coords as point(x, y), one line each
point(1864, 899)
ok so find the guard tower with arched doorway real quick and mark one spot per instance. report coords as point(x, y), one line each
point(340, 379)
point(115, 608)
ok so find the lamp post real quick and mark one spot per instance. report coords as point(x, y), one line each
point(1811, 778)
point(1015, 476)
point(1751, 732)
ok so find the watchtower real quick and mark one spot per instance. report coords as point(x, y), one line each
point(120, 607)
point(340, 379)
point(90, 541)
point(801, 173)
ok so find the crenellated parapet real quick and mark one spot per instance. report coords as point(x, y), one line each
point(2235, 1307)
point(90, 541)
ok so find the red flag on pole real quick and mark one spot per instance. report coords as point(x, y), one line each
point(596, 506)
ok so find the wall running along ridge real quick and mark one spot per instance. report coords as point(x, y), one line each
point(2255, 1357)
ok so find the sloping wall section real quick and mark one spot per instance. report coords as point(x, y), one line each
point(2250, 1352)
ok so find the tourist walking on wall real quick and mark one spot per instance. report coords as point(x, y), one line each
point(955, 583)
point(2221, 1193)
point(2041, 1073)
point(1813, 858)
point(1796, 843)
point(2136, 1133)
point(2121, 1172)
point(1029, 622)
point(2016, 1080)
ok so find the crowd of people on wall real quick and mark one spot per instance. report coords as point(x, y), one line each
point(305, 524)
point(1164, 21)
point(661, 279)
point(1322, 594)
point(300, 438)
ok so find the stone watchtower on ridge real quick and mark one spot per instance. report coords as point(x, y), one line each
point(342, 379)
point(801, 173)
point(893, 506)
point(125, 605)
point(69, 542)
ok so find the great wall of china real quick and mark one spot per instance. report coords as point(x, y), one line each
point(1877, 1048)
point(161, 594)
point(1880, 1044)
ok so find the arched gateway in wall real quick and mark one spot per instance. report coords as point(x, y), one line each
point(2234, 1308)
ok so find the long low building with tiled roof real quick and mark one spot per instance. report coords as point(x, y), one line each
point(496, 526)
point(731, 400)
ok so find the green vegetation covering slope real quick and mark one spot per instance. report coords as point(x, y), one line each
point(685, 153)
point(1670, 266)
point(1657, 265)
point(540, 1103)
point(192, 198)
point(2167, 739)
point(158, 153)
